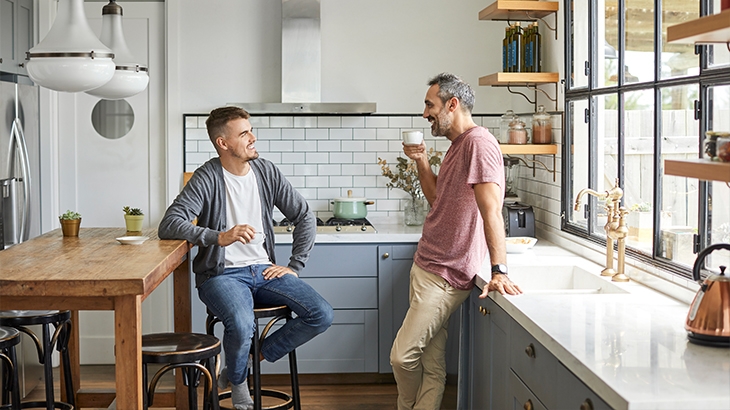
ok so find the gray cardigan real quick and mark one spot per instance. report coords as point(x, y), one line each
point(204, 197)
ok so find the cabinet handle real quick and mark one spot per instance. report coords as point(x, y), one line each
point(528, 405)
point(484, 311)
point(586, 405)
point(21, 65)
point(530, 351)
point(1, 60)
point(386, 255)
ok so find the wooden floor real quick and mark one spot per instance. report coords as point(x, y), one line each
point(318, 392)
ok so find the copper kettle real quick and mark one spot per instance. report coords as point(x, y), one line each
point(708, 321)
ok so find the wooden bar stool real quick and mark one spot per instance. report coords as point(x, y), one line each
point(275, 313)
point(194, 353)
point(61, 321)
point(9, 338)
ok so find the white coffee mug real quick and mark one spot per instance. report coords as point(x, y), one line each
point(412, 137)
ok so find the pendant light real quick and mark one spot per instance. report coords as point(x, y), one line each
point(130, 77)
point(70, 58)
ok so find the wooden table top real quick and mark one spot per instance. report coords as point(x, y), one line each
point(92, 265)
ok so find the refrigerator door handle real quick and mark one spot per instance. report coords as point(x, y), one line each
point(19, 136)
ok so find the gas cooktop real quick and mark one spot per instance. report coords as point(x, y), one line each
point(332, 226)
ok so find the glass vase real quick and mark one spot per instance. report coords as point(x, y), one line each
point(415, 211)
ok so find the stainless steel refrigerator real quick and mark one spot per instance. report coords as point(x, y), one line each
point(20, 190)
point(19, 162)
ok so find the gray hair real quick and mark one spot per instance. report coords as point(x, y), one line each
point(453, 86)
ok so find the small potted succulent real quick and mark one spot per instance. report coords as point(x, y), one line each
point(70, 222)
point(134, 218)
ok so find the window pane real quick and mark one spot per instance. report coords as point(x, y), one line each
point(579, 165)
point(608, 44)
point(678, 59)
point(719, 210)
point(719, 53)
point(638, 166)
point(607, 126)
point(639, 31)
point(680, 196)
point(579, 39)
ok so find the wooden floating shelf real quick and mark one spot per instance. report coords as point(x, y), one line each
point(518, 79)
point(698, 168)
point(518, 10)
point(714, 28)
point(529, 149)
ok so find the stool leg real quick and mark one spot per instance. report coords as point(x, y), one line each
point(294, 380)
point(146, 392)
point(11, 390)
point(193, 377)
point(212, 402)
point(256, 367)
point(68, 380)
point(48, 367)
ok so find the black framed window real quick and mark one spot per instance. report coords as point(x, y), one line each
point(632, 100)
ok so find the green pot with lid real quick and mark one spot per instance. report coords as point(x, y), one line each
point(350, 207)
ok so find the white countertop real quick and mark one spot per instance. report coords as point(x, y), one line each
point(631, 349)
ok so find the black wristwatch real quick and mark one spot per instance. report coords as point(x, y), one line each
point(499, 268)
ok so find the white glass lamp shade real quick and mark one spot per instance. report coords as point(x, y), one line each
point(70, 58)
point(130, 77)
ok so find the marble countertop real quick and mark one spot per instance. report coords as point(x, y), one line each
point(630, 348)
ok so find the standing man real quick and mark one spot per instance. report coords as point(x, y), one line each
point(232, 197)
point(464, 226)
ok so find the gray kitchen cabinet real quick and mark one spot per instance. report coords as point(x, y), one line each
point(510, 369)
point(490, 341)
point(394, 267)
point(16, 34)
point(345, 275)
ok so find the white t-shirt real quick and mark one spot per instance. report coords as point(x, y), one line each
point(243, 206)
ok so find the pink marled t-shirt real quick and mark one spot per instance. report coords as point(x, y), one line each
point(453, 244)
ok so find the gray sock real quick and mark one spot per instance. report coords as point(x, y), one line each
point(241, 397)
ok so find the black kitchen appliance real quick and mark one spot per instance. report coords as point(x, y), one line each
point(519, 220)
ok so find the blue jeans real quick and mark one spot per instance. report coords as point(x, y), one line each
point(231, 295)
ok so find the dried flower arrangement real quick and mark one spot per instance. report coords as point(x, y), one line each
point(406, 175)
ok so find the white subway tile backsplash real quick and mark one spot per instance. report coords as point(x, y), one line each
point(317, 158)
point(281, 122)
point(329, 122)
point(376, 122)
point(325, 156)
point(305, 146)
point(316, 134)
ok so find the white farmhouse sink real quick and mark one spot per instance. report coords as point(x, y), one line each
point(561, 279)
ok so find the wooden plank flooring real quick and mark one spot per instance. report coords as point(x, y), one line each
point(318, 392)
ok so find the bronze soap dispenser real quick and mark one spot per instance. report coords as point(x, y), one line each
point(708, 321)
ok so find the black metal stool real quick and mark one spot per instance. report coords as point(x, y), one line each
point(193, 352)
point(61, 321)
point(276, 313)
point(9, 338)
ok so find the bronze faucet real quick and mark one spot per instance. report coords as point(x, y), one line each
point(615, 228)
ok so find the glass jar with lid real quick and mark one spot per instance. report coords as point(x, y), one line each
point(505, 120)
point(542, 129)
point(517, 131)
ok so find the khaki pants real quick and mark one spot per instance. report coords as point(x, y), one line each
point(418, 355)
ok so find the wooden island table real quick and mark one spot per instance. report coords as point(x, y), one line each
point(95, 272)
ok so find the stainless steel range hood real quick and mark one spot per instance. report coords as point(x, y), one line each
point(301, 66)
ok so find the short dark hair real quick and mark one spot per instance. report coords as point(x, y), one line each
point(220, 117)
point(453, 86)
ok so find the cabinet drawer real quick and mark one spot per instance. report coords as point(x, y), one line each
point(533, 364)
point(574, 394)
point(521, 398)
point(347, 293)
point(335, 260)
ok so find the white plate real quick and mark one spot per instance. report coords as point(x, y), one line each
point(519, 244)
point(132, 240)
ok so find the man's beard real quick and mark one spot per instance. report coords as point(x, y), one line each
point(441, 124)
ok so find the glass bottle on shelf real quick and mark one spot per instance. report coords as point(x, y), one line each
point(542, 129)
point(504, 122)
point(517, 47)
point(517, 131)
point(536, 49)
